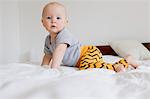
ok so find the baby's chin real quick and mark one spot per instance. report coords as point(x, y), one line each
point(55, 30)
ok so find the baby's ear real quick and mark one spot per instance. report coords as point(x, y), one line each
point(67, 21)
point(42, 20)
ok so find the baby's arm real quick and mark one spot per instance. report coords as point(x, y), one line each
point(46, 59)
point(58, 55)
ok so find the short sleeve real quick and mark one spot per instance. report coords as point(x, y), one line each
point(65, 38)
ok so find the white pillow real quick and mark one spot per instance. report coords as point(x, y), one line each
point(111, 58)
point(130, 47)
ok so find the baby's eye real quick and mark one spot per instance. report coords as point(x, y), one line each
point(48, 18)
point(58, 18)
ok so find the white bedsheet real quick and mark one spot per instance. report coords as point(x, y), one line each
point(27, 81)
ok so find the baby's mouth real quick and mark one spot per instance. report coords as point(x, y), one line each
point(53, 26)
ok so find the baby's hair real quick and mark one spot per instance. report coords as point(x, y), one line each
point(53, 3)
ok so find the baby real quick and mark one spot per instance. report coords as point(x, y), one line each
point(62, 47)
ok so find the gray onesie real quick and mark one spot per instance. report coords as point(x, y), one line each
point(72, 53)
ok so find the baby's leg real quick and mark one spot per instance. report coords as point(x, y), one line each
point(121, 65)
point(115, 67)
point(119, 68)
point(90, 58)
point(99, 64)
point(131, 61)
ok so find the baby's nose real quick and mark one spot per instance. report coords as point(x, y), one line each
point(54, 20)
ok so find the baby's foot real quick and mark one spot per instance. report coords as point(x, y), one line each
point(131, 61)
point(119, 68)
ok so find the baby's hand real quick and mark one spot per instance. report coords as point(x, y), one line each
point(55, 67)
point(46, 66)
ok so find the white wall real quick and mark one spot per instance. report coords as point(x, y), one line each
point(148, 21)
point(32, 33)
point(92, 21)
point(107, 21)
point(10, 30)
point(1, 33)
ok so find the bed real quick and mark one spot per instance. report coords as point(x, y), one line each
point(29, 81)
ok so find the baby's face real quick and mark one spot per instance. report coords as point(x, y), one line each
point(54, 18)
